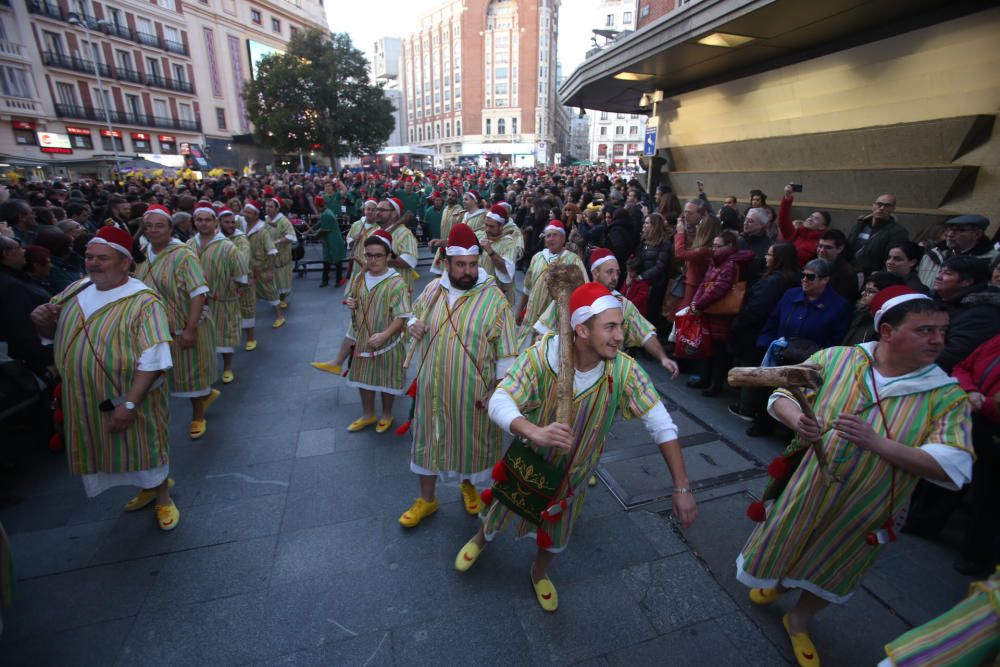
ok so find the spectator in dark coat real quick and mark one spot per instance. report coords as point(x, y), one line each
point(813, 311)
point(974, 305)
point(755, 239)
point(656, 255)
point(621, 237)
point(874, 233)
point(19, 299)
point(845, 279)
point(862, 328)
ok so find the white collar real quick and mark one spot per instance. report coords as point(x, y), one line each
point(923, 379)
point(257, 227)
point(446, 282)
point(219, 236)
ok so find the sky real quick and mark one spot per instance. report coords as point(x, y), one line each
point(398, 18)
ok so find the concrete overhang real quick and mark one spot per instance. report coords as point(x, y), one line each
point(666, 55)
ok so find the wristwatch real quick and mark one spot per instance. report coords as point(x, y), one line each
point(129, 405)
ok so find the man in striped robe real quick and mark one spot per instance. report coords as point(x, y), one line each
point(283, 235)
point(466, 335)
point(172, 269)
point(404, 243)
point(226, 270)
point(499, 252)
point(263, 255)
point(886, 416)
point(606, 381)
point(380, 306)
point(451, 214)
point(111, 335)
point(474, 216)
point(230, 226)
point(535, 297)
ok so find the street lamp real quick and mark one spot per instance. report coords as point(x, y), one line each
point(78, 20)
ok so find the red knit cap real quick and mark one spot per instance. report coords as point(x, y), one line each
point(498, 213)
point(555, 226)
point(118, 239)
point(383, 236)
point(590, 299)
point(889, 298)
point(600, 256)
point(462, 241)
point(158, 209)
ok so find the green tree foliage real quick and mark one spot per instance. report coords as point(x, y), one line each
point(317, 96)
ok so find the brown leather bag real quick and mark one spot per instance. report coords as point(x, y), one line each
point(731, 302)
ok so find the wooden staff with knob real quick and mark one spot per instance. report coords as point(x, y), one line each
point(414, 344)
point(562, 279)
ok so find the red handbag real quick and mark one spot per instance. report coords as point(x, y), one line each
point(694, 340)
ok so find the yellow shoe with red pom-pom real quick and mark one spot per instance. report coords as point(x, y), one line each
point(467, 556)
point(546, 594)
point(802, 646)
point(420, 510)
point(764, 596)
point(470, 498)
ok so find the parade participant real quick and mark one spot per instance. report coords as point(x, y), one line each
point(511, 228)
point(474, 216)
point(283, 235)
point(359, 231)
point(432, 216)
point(173, 271)
point(404, 243)
point(535, 298)
point(605, 381)
point(886, 416)
point(231, 226)
point(380, 305)
point(469, 332)
point(638, 331)
point(111, 345)
point(499, 252)
point(451, 214)
point(263, 255)
point(333, 244)
point(226, 270)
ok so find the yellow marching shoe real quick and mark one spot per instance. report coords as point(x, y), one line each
point(361, 422)
point(467, 556)
point(471, 499)
point(168, 516)
point(383, 425)
point(764, 595)
point(283, 304)
point(802, 646)
point(212, 397)
point(144, 497)
point(420, 510)
point(198, 428)
point(227, 377)
point(250, 346)
point(278, 323)
point(546, 594)
point(328, 366)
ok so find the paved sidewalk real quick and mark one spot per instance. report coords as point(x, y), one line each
point(289, 551)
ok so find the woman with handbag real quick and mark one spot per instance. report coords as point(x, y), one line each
point(655, 254)
point(718, 299)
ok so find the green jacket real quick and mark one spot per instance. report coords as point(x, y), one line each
point(334, 249)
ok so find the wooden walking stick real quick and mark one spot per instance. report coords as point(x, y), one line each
point(794, 379)
point(414, 344)
point(562, 280)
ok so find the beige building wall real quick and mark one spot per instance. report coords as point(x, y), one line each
point(912, 114)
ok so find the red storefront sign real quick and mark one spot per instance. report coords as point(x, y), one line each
point(111, 133)
point(167, 138)
point(82, 131)
point(141, 136)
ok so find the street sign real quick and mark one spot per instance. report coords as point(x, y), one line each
point(649, 147)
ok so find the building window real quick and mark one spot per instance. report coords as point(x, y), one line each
point(420, 134)
point(447, 129)
point(168, 147)
point(619, 131)
point(25, 137)
point(645, 11)
point(489, 129)
point(292, 32)
point(458, 128)
point(106, 143)
point(604, 115)
point(513, 126)
point(501, 126)
point(604, 131)
point(141, 142)
point(256, 16)
point(627, 18)
point(83, 141)
point(65, 94)
point(220, 117)
point(275, 25)
point(133, 105)
point(610, 20)
point(633, 131)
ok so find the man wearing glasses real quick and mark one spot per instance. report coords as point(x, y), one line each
point(875, 233)
point(404, 243)
point(963, 235)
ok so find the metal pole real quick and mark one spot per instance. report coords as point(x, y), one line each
point(82, 21)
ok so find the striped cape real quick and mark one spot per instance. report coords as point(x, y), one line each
point(532, 385)
point(536, 287)
point(222, 264)
point(378, 369)
point(358, 233)
point(99, 363)
point(174, 274)
point(262, 258)
point(815, 536)
point(247, 293)
point(636, 327)
point(405, 243)
point(451, 434)
point(281, 230)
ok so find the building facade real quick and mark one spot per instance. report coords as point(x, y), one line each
point(386, 67)
point(87, 85)
point(479, 81)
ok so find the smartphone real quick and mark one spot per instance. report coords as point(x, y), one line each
point(796, 187)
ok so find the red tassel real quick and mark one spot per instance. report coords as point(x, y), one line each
point(402, 430)
point(412, 391)
point(479, 404)
point(55, 442)
point(756, 511)
point(872, 539)
point(779, 468)
point(543, 540)
point(550, 516)
point(487, 496)
point(499, 473)
point(57, 416)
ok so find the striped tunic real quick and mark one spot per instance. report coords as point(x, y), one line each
point(262, 258)
point(451, 435)
point(405, 243)
point(223, 265)
point(532, 385)
point(359, 232)
point(537, 289)
point(637, 328)
point(449, 216)
point(505, 247)
point(281, 229)
point(815, 535)
point(476, 220)
point(99, 363)
point(375, 309)
point(247, 292)
point(176, 275)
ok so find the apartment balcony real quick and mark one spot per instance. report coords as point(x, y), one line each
point(96, 115)
point(12, 104)
point(54, 11)
point(169, 84)
point(44, 8)
point(129, 75)
point(63, 61)
point(10, 49)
